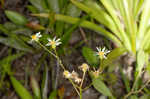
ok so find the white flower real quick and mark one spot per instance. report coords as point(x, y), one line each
point(84, 67)
point(36, 37)
point(102, 52)
point(53, 42)
point(67, 74)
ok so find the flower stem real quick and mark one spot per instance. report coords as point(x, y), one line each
point(80, 93)
point(74, 86)
point(60, 62)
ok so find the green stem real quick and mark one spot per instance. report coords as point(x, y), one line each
point(100, 66)
point(80, 93)
point(138, 91)
point(60, 62)
point(75, 87)
point(88, 86)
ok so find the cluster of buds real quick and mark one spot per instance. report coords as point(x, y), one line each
point(73, 75)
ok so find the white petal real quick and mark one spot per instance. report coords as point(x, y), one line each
point(48, 44)
point(58, 43)
point(105, 57)
point(97, 48)
point(58, 40)
point(49, 39)
point(54, 38)
point(37, 34)
point(103, 49)
point(107, 52)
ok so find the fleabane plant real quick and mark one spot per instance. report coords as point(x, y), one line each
point(73, 76)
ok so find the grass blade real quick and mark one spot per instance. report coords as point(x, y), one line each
point(85, 24)
point(20, 90)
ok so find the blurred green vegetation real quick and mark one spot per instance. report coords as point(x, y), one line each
point(124, 22)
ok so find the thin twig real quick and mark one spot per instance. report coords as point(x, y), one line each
point(138, 91)
point(83, 35)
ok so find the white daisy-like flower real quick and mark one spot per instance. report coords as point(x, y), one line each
point(36, 37)
point(102, 52)
point(53, 42)
point(84, 67)
point(67, 74)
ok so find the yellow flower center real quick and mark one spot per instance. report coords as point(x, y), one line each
point(33, 37)
point(101, 53)
point(53, 44)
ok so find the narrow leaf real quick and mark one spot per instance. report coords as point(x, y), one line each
point(35, 88)
point(86, 24)
point(100, 86)
point(20, 90)
point(90, 56)
point(114, 54)
point(16, 17)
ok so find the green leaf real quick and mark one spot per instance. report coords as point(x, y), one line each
point(133, 97)
point(113, 55)
point(15, 43)
point(54, 5)
point(37, 4)
point(66, 37)
point(86, 24)
point(143, 23)
point(145, 96)
point(73, 10)
point(11, 58)
point(100, 86)
point(53, 95)
point(32, 9)
point(44, 85)
point(16, 17)
point(93, 10)
point(124, 37)
point(5, 64)
point(10, 26)
point(141, 59)
point(90, 56)
point(4, 30)
point(20, 90)
point(35, 88)
point(125, 80)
